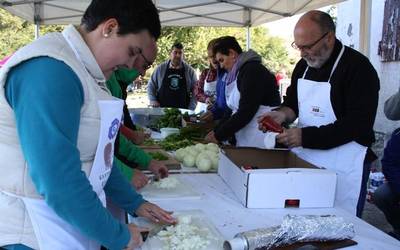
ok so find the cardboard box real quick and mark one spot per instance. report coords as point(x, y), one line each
point(275, 179)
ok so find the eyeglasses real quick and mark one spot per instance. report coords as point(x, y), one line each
point(310, 46)
point(147, 64)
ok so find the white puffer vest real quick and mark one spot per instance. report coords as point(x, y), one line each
point(15, 225)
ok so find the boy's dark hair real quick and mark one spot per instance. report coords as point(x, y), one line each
point(224, 44)
point(177, 45)
point(132, 16)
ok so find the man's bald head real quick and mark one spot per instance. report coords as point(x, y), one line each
point(314, 36)
point(318, 19)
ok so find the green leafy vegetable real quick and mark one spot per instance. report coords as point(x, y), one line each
point(158, 156)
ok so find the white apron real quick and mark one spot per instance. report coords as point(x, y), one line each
point(51, 231)
point(249, 135)
point(210, 89)
point(315, 109)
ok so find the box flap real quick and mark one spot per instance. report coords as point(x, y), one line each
point(265, 158)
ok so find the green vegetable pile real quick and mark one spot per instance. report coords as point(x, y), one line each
point(149, 142)
point(158, 156)
point(187, 136)
point(193, 133)
point(172, 118)
point(175, 141)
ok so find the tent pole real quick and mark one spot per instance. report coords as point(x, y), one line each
point(248, 38)
point(36, 18)
point(365, 26)
point(248, 25)
point(37, 31)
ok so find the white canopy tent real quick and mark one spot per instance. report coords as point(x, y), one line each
point(238, 13)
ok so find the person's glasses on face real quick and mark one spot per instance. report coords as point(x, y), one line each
point(147, 64)
point(310, 46)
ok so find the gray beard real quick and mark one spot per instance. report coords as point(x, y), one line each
point(319, 61)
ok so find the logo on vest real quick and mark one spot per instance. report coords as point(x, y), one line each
point(316, 111)
point(112, 131)
point(174, 81)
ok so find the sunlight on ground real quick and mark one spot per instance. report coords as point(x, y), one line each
point(137, 99)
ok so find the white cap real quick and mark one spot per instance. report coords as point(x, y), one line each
point(236, 243)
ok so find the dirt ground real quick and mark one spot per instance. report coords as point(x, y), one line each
point(138, 99)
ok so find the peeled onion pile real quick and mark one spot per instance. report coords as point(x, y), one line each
point(202, 156)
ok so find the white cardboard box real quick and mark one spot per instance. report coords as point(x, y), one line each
point(278, 179)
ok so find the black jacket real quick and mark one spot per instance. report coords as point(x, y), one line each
point(257, 86)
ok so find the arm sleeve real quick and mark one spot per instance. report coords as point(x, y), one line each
point(47, 96)
point(290, 100)
point(251, 87)
point(132, 152)
point(392, 107)
point(219, 106)
point(121, 192)
point(193, 80)
point(361, 100)
point(152, 87)
point(199, 87)
point(125, 170)
point(391, 162)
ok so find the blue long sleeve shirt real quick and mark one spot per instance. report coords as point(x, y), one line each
point(46, 97)
point(219, 107)
point(391, 162)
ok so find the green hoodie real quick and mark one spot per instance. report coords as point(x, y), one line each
point(126, 148)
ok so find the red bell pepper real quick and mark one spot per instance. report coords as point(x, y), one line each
point(270, 125)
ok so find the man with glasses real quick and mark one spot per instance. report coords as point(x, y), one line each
point(334, 94)
point(172, 82)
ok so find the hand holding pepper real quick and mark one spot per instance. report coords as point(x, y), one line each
point(268, 124)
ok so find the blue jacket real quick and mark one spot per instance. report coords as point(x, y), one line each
point(219, 107)
point(391, 161)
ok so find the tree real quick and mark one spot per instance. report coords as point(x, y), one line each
point(195, 40)
point(16, 32)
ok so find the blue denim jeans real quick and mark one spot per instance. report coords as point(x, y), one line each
point(389, 203)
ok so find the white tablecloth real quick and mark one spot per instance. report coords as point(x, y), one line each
point(231, 217)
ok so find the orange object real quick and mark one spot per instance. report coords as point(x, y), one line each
point(270, 125)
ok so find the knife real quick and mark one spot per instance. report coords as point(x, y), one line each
point(152, 179)
point(158, 228)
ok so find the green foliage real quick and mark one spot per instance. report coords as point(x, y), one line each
point(15, 32)
point(332, 11)
point(195, 41)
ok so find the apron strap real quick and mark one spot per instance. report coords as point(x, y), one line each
point(336, 63)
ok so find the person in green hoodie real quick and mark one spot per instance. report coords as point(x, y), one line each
point(129, 156)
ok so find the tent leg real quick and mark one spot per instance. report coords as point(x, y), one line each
point(365, 26)
point(248, 38)
point(37, 31)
